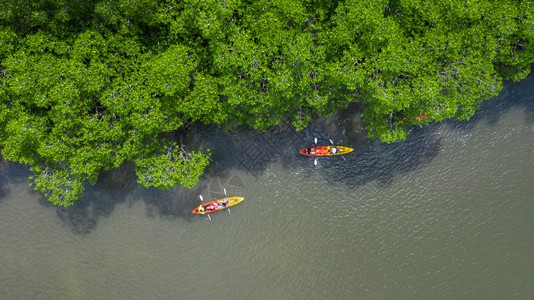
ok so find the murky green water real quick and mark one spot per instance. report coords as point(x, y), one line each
point(447, 214)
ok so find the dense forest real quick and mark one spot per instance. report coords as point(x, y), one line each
point(88, 84)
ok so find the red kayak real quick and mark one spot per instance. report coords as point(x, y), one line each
point(325, 150)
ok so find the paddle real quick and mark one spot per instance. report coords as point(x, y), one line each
point(202, 200)
point(315, 160)
point(227, 201)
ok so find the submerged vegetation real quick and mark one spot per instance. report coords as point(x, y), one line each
point(87, 85)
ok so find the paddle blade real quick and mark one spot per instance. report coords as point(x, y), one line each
point(331, 142)
point(201, 198)
point(315, 140)
point(224, 189)
point(315, 162)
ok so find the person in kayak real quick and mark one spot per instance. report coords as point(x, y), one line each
point(333, 150)
point(201, 209)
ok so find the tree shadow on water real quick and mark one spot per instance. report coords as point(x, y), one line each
point(245, 149)
point(12, 173)
point(513, 95)
point(176, 202)
point(82, 217)
point(380, 162)
point(99, 200)
point(119, 186)
point(371, 160)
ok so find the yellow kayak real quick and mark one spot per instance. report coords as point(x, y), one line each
point(209, 207)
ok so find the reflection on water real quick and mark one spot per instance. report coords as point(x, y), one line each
point(11, 173)
point(445, 214)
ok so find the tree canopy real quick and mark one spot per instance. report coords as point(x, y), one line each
point(87, 85)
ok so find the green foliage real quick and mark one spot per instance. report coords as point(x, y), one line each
point(85, 86)
point(440, 60)
point(174, 166)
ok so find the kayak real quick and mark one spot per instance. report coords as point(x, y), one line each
point(209, 207)
point(325, 150)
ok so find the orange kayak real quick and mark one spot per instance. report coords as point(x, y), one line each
point(325, 150)
point(209, 207)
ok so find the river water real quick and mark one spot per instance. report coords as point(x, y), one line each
point(446, 214)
